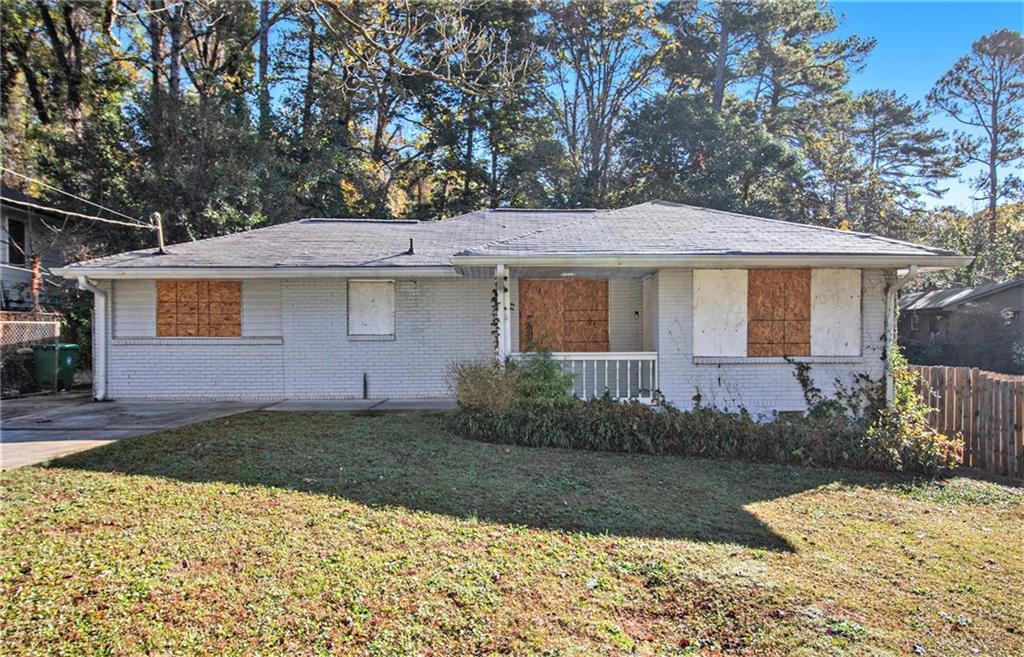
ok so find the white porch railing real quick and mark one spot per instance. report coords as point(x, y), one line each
point(624, 375)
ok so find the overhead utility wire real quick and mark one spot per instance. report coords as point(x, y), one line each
point(133, 224)
point(79, 198)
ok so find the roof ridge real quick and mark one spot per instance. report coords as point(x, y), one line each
point(535, 231)
point(348, 220)
point(795, 223)
point(539, 210)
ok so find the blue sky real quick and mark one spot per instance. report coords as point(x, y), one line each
point(916, 43)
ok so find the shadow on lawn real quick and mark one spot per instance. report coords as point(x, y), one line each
point(412, 461)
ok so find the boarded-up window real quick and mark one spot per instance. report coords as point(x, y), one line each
point(720, 312)
point(835, 312)
point(199, 309)
point(563, 315)
point(371, 308)
point(779, 312)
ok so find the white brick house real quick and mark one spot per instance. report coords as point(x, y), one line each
point(654, 297)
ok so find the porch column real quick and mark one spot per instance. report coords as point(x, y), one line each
point(501, 282)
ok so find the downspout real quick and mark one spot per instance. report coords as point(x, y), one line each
point(890, 328)
point(99, 343)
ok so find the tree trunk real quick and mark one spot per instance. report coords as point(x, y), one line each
point(993, 180)
point(156, 54)
point(492, 181)
point(174, 74)
point(264, 66)
point(718, 86)
point(37, 281)
point(38, 102)
point(467, 164)
point(67, 74)
point(307, 93)
point(74, 72)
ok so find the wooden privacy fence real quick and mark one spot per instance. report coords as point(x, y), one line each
point(986, 408)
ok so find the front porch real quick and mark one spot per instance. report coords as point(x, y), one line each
point(598, 323)
point(622, 375)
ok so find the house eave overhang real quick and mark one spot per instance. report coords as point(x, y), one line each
point(119, 273)
point(725, 261)
point(728, 261)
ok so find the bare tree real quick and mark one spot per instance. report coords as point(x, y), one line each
point(433, 40)
point(602, 55)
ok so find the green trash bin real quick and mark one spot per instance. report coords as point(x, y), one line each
point(55, 365)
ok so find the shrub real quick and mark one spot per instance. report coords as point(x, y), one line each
point(17, 370)
point(530, 404)
point(899, 437)
point(483, 387)
point(613, 426)
point(540, 381)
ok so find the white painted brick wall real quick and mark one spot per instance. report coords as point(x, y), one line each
point(760, 387)
point(439, 322)
point(625, 325)
point(188, 369)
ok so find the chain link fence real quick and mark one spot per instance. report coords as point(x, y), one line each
point(19, 332)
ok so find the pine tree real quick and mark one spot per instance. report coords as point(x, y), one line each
point(984, 91)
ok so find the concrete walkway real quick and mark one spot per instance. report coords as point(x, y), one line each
point(40, 428)
point(36, 429)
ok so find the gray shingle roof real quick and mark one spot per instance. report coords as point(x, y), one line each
point(953, 296)
point(343, 242)
point(656, 228)
point(662, 228)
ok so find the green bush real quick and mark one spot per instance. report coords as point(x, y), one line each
point(541, 382)
point(852, 429)
point(900, 438)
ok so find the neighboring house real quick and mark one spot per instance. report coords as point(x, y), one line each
point(927, 315)
point(657, 296)
point(22, 235)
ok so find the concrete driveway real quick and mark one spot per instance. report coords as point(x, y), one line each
point(36, 429)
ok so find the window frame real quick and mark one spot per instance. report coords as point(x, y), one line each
point(209, 314)
point(16, 252)
point(394, 309)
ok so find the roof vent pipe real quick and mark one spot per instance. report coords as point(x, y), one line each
point(411, 250)
point(158, 224)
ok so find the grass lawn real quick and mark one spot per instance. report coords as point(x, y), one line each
point(312, 533)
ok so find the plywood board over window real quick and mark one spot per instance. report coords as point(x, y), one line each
point(371, 308)
point(779, 312)
point(720, 312)
point(198, 309)
point(563, 314)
